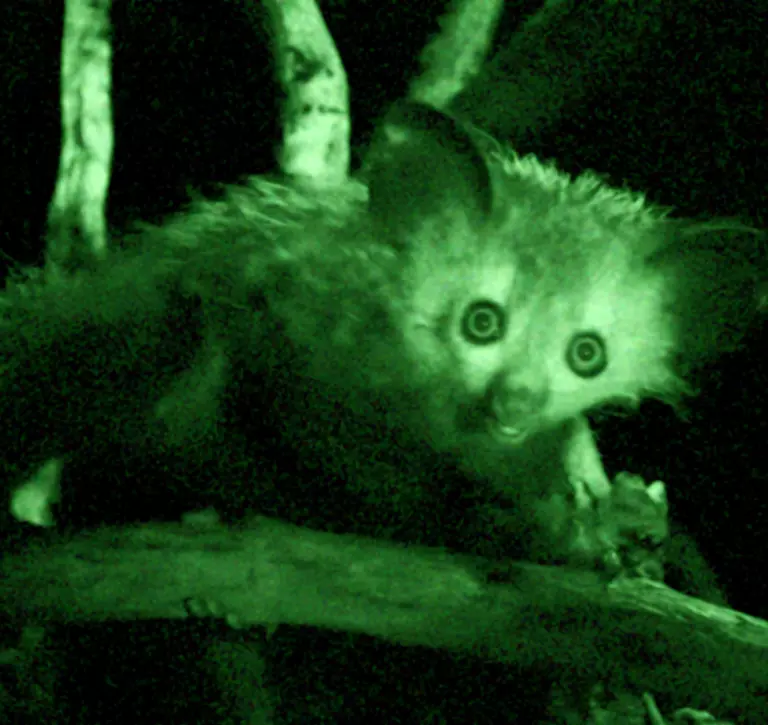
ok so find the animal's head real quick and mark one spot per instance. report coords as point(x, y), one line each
point(530, 297)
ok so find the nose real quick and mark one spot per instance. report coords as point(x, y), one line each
point(514, 401)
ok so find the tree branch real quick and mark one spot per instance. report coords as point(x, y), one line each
point(268, 573)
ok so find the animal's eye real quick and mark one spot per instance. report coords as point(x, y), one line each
point(586, 354)
point(483, 323)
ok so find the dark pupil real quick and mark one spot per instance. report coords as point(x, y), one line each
point(586, 352)
point(483, 321)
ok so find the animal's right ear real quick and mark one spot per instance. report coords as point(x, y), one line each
point(423, 163)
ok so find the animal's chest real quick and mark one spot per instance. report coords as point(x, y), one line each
point(350, 463)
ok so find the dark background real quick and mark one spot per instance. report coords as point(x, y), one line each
point(195, 103)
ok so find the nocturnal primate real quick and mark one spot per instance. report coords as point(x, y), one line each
point(405, 356)
point(357, 357)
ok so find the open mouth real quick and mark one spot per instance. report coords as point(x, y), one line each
point(509, 425)
point(507, 434)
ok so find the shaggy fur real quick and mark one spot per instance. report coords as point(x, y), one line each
point(317, 355)
point(330, 325)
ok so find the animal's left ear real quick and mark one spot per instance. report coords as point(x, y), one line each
point(717, 274)
point(424, 164)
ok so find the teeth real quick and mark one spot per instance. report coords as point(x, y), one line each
point(510, 433)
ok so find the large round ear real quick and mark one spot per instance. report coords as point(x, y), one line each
point(422, 162)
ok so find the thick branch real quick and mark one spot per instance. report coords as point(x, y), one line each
point(268, 573)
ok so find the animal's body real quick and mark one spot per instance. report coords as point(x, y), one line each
point(392, 365)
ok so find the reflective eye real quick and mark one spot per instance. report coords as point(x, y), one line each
point(586, 355)
point(483, 323)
